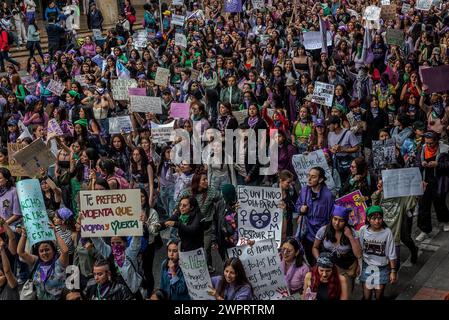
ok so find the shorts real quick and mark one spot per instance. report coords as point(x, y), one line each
point(374, 275)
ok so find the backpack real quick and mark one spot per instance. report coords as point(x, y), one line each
point(121, 181)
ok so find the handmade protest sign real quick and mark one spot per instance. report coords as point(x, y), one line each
point(97, 34)
point(180, 110)
point(194, 267)
point(140, 39)
point(354, 201)
point(263, 269)
point(423, 5)
point(259, 216)
point(98, 60)
point(240, 115)
point(233, 6)
point(29, 83)
point(35, 156)
point(312, 40)
point(117, 124)
point(145, 104)
point(14, 167)
point(371, 13)
point(161, 133)
point(178, 2)
point(81, 78)
point(303, 163)
point(137, 91)
point(388, 12)
point(436, 78)
point(162, 75)
point(385, 2)
point(323, 93)
point(119, 88)
point(194, 74)
point(177, 20)
point(384, 153)
point(258, 4)
point(180, 40)
point(402, 182)
point(55, 87)
point(53, 129)
point(395, 37)
point(32, 206)
point(108, 213)
point(405, 8)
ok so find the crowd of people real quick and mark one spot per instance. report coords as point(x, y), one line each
point(252, 60)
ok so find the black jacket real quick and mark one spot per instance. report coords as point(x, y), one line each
point(117, 291)
point(192, 233)
point(95, 20)
point(54, 33)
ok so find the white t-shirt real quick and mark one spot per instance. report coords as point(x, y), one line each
point(377, 246)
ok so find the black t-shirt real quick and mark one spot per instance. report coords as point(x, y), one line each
point(6, 293)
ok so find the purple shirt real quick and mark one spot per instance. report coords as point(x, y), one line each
point(232, 292)
point(9, 204)
point(294, 276)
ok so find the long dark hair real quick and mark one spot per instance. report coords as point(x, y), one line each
point(240, 276)
point(144, 160)
point(329, 234)
point(7, 175)
point(299, 260)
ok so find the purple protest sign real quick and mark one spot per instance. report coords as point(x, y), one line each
point(137, 92)
point(436, 78)
point(233, 5)
point(355, 201)
point(179, 110)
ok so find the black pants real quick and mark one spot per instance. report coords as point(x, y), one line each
point(425, 208)
point(406, 234)
point(52, 48)
point(307, 245)
point(33, 46)
point(4, 55)
point(147, 259)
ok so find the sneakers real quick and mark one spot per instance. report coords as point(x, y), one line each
point(422, 236)
point(446, 227)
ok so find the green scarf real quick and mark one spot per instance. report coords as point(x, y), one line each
point(183, 218)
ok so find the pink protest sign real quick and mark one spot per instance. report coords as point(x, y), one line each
point(137, 92)
point(179, 110)
point(355, 201)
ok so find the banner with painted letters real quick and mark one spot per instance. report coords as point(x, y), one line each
point(119, 88)
point(53, 129)
point(372, 13)
point(384, 153)
point(117, 124)
point(177, 20)
point(263, 269)
point(354, 201)
point(259, 216)
point(196, 275)
point(312, 40)
point(395, 37)
point(145, 104)
point(303, 163)
point(402, 182)
point(161, 133)
point(56, 87)
point(34, 214)
point(424, 5)
point(35, 156)
point(323, 93)
point(140, 39)
point(108, 213)
point(162, 76)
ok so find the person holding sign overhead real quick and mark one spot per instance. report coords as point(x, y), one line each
point(233, 284)
point(47, 268)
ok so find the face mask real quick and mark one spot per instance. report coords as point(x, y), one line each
point(118, 252)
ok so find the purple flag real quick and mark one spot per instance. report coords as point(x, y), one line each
point(233, 5)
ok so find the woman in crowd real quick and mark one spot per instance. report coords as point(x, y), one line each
point(233, 284)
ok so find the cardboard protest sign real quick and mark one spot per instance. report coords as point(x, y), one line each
point(96, 33)
point(240, 115)
point(108, 213)
point(371, 13)
point(81, 78)
point(263, 269)
point(119, 88)
point(29, 83)
point(194, 268)
point(385, 2)
point(178, 2)
point(180, 110)
point(161, 133)
point(177, 20)
point(402, 182)
point(98, 60)
point(162, 76)
point(56, 87)
point(117, 124)
point(384, 153)
point(35, 156)
point(388, 12)
point(405, 8)
point(14, 167)
point(194, 74)
point(423, 5)
point(140, 39)
point(35, 217)
point(303, 163)
point(312, 40)
point(395, 37)
point(258, 4)
point(259, 216)
point(323, 93)
point(436, 78)
point(137, 91)
point(145, 104)
point(53, 129)
point(180, 40)
point(233, 6)
point(355, 201)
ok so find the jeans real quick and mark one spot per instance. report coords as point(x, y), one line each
point(166, 197)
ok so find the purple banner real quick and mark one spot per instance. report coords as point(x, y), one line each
point(137, 91)
point(355, 201)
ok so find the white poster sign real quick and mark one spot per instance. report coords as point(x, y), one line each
point(56, 87)
point(161, 133)
point(162, 76)
point(303, 163)
point(424, 5)
point(117, 124)
point(312, 40)
point(177, 20)
point(180, 40)
point(402, 182)
point(323, 93)
point(372, 13)
point(120, 88)
point(145, 104)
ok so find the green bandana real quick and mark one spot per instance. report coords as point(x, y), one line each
point(82, 122)
point(74, 94)
point(183, 218)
